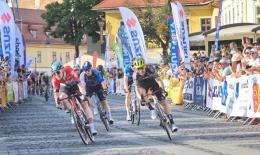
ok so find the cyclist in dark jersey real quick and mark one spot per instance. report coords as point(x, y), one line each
point(92, 81)
point(128, 81)
point(146, 81)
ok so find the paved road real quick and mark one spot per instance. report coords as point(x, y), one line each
point(38, 127)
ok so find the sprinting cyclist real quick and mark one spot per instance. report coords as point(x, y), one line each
point(128, 81)
point(92, 81)
point(61, 77)
point(147, 82)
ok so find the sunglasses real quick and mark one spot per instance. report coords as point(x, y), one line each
point(88, 71)
point(57, 73)
point(141, 68)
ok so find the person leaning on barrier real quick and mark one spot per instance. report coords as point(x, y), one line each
point(254, 64)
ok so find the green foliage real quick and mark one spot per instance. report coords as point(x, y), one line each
point(154, 24)
point(72, 19)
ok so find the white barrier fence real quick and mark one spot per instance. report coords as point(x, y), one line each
point(236, 97)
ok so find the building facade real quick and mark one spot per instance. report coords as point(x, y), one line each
point(200, 15)
point(240, 11)
point(40, 46)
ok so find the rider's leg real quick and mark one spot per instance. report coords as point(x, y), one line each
point(65, 103)
point(167, 109)
point(127, 104)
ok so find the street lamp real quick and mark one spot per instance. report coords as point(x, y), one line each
point(101, 24)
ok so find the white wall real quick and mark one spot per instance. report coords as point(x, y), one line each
point(232, 11)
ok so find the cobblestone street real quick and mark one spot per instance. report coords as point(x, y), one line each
point(37, 127)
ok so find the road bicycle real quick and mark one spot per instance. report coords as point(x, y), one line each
point(164, 120)
point(101, 111)
point(77, 113)
point(134, 110)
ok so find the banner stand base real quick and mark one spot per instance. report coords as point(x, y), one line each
point(246, 121)
point(254, 121)
point(233, 119)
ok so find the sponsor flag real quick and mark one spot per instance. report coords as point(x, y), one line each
point(134, 33)
point(174, 46)
point(127, 55)
point(218, 27)
point(182, 33)
point(7, 26)
point(19, 46)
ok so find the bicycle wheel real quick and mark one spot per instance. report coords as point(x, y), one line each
point(138, 111)
point(46, 96)
point(132, 112)
point(163, 120)
point(80, 128)
point(103, 116)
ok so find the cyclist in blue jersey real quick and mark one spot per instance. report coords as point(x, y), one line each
point(92, 81)
point(128, 81)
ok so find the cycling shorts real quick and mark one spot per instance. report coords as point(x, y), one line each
point(152, 86)
point(98, 89)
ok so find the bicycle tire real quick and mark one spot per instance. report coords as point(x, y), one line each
point(87, 129)
point(138, 112)
point(163, 120)
point(131, 111)
point(46, 97)
point(81, 130)
point(103, 117)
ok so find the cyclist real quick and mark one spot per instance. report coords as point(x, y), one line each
point(93, 82)
point(61, 77)
point(147, 82)
point(128, 81)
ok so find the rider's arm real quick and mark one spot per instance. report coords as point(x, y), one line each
point(56, 86)
point(101, 79)
point(82, 84)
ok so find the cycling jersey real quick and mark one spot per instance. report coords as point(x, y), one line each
point(70, 76)
point(93, 80)
point(147, 81)
point(93, 84)
point(129, 73)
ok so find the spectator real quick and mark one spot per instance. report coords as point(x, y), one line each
point(257, 44)
point(236, 64)
point(254, 62)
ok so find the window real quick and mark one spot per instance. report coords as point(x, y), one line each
point(233, 15)
point(258, 20)
point(258, 10)
point(188, 25)
point(37, 4)
point(205, 24)
point(67, 57)
point(216, 21)
point(33, 33)
point(229, 17)
point(60, 57)
point(39, 57)
point(54, 56)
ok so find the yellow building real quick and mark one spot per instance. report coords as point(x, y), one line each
point(201, 14)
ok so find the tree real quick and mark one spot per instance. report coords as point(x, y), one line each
point(71, 20)
point(154, 22)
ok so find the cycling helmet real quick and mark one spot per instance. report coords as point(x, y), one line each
point(56, 66)
point(100, 68)
point(86, 66)
point(139, 63)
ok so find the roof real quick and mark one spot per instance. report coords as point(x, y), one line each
point(233, 30)
point(236, 26)
point(113, 4)
point(31, 20)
